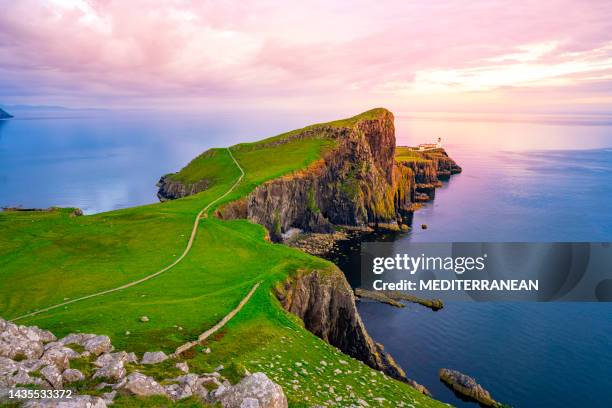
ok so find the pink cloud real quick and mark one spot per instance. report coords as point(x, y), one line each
point(364, 53)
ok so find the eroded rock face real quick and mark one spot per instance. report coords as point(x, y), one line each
point(356, 183)
point(325, 302)
point(256, 390)
point(170, 189)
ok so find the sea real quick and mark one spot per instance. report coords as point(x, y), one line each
point(526, 178)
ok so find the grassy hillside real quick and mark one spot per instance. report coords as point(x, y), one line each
point(48, 257)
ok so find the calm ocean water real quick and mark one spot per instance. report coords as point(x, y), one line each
point(527, 179)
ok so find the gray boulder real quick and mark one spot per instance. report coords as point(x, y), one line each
point(71, 375)
point(98, 345)
point(153, 357)
point(78, 401)
point(139, 384)
point(255, 390)
point(178, 391)
point(53, 376)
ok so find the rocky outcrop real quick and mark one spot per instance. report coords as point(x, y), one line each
point(466, 386)
point(326, 304)
point(34, 358)
point(4, 114)
point(171, 189)
point(355, 183)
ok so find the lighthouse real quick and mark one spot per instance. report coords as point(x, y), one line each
point(439, 144)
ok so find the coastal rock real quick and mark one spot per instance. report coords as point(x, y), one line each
point(467, 387)
point(153, 357)
point(256, 390)
point(325, 302)
point(142, 385)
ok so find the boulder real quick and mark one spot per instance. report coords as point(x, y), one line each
point(71, 375)
point(53, 376)
point(153, 357)
point(59, 356)
point(113, 369)
point(178, 391)
point(256, 388)
point(182, 366)
point(467, 386)
point(142, 385)
point(98, 345)
point(78, 401)
point(76, 338)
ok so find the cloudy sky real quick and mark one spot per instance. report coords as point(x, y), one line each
point(521, 56)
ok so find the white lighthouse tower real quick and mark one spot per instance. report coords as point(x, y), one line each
point(439, 144)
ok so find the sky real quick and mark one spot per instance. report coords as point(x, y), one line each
point(441, 56)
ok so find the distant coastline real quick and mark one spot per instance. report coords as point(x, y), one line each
point(4, 114)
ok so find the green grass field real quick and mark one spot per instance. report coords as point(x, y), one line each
point(49, 257)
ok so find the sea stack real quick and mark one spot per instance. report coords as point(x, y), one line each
point(4, 114)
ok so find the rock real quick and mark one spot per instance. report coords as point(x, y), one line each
point(144, 319)
point(178, 391)
point(72, 375)
point(256, 390)
point(424, 226)
point(467, 386)
point(21, 342)
point(153, 357)
point(59, 356)
point(139, 384)
point(53, 376)
point(182, 366)
point(109, 397)
point(98, 344)
point(76, 338)
point(78, 401)
point(111, 365)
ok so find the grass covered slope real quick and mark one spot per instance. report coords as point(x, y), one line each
point(47, 257)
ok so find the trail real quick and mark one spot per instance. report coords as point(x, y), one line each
point(153, 275)
point(219, 325)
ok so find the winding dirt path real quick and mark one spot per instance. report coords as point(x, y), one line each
point(219, 325)
point(153, 275)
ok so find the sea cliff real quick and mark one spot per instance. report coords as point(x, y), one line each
point(362, 180)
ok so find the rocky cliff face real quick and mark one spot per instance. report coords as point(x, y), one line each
point(170, 189)
point(325, 302)
point(356, 183)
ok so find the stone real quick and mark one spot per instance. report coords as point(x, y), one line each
point(53, 376)
point(78, 401)
point(109, 397)
point(60, 356)
point(76, 338)
point(254, 388)
point(467, 386)
point(142, 385)
point(153, 357)
point(111, 366)
point(144, 319)
point(182, 366)
point(178, 391)
point(98, 345)
point(71, 375)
